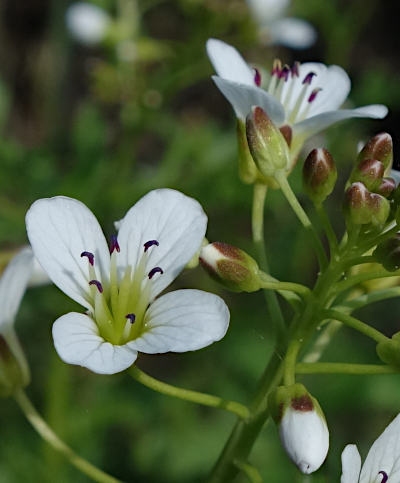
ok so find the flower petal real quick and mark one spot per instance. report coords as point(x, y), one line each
point(243, 97)
point(77, 341)
point(176, 221)
point(59, 230)
point(292, 32)
point(351, 464)
point(184, 320)
point(395, 174)
point(267, 11)
point(319, 122)
point(228, 63)
point(13, 284)
point(384, 455)
point(87, 23)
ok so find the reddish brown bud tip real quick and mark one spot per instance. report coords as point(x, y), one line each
point(287, 133)
point(369, 172)
point(379, 147)
point(387, 186)
point(319, 175)
point(363, 207)
point(302, 403)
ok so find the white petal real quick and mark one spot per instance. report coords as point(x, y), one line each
point(322, 121)
point(351, 464)
point(176, 221)
point(38, 276)
point(395, 174)
point(77, 341)
point(243, 97)
point(184, 320)
point(87, 23)
point(228, 63)
point(384, 455)
point(13, 284)
point(292, 32)
point(59, 230)
point(266, 11)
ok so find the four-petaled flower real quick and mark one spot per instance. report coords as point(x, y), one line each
point(118, 285)
point(305, 97)
point(382, 464)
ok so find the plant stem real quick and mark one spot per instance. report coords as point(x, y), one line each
point(355, 324)
point(302, 216)
point(48, 435)
point(363, 277)
point(257, 222)
point(322, 341)
point(369, 298)
point(250, 471)
point(290, 362)
point(344, 368)
point(286, 286)
point(330, 234)
point(187, 395)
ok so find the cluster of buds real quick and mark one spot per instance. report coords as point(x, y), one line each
point(263, 148)
point(367, 199)
point(302, 426)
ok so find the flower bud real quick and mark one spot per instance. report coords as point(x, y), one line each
point(387, 187)
point(388, 253)
point(302, 426)
point(319, 175)
point(380, 147)
point(231, 266)
point(389, 351)
point(267, 145)
point(14, 370)
point(247, 168)
point(363, 207)
point(369, 172)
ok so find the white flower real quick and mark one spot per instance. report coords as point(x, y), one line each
point(87, 23)
point(156, 239)
point(14, 369)
point(382, 464)
point(306, 97)
point(276, 28)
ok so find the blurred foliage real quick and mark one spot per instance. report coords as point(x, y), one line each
point(91, 124)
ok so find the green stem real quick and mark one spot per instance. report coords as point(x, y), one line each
point(267, 284)
point(322, 341)
point(187, 395)
point(290, 362)
point(326, 224)
point(250, 471)
point(355, 324)
point(48, 435)
point(257, 222)
point(369, 298)
point(344, 368)
point(302, 216)
point(363, 277)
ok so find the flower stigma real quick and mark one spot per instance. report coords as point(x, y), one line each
point(120, 303)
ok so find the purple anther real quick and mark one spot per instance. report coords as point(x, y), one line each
point(114, 244)
point(149, 244)
point(295, 69)
point(98, 285)
point(313, 94)
point(257, 77)
point(90, 257)
point(276, 68)
point(155, 270)
point(308, 78)
point(385, 476)
point(131, 317)
point(284, 73)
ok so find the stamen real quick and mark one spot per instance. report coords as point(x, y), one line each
point(98, 285)
point(149, 244)
point(155, 270)
point(385, 476)
point(308, 78)
point(131, 318)
point(314, 93)
point(295, 69)
point(276, 67)
point(284, 73)
point(90, 257)
point(114, 244)
point(257, 77)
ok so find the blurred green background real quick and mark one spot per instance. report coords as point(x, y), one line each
point(105, 123)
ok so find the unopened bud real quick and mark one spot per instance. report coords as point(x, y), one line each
point(388, 253)
point(319, 175)
point(14, 371)
point(302, 426)
point(363, 207)
point(369, 172)
point(231, 266)
point(387, 187)
point(267, 145)
point(389, 351)
point(247, 168)
point(380, 147)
